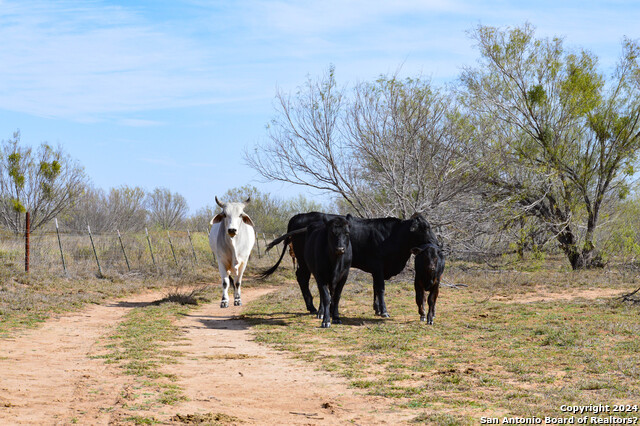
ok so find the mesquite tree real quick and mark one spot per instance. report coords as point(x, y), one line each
point(560, 140)
point(388, 148)
point(44, 181)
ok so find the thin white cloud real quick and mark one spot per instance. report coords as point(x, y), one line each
point(91, 61)
point(61, 60)
point(136, 122)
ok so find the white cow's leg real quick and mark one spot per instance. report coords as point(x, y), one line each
point(240, 271)
point(225, 288)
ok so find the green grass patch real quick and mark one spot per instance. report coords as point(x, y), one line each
point(138, 345)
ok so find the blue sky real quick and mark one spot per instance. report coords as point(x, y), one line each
point(169, 93)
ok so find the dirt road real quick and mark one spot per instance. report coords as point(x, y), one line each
point(49, 375)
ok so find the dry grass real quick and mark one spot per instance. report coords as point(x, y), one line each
point(503, 346)
point(28, 299)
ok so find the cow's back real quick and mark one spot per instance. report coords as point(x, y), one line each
point(367, 239)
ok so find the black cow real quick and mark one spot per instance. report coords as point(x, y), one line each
point(328, 255)
point(429, 268)
point(380, 246)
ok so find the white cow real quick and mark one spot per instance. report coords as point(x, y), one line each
point(231, 238)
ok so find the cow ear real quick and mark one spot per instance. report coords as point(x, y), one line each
point(217, 218)
point(349, 217)
point(246, 219)
point(416, 250)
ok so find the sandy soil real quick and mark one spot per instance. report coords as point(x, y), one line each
point(225, 371)
point(49, 375)
point(543, 295)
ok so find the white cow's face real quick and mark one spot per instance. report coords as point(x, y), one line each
point(232, 216)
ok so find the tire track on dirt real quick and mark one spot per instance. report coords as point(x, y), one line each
point(224, 370)
point(48, 375)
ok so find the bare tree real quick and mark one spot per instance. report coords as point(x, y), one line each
point(45, 182)
point(127, 210)
point(122, 209)
point(166, 209)
point(412, 148)
point(306, 144)
point(390, 147)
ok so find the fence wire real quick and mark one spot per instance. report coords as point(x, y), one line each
point(190, 250)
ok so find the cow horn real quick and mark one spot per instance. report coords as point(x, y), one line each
point(219, 203)
point(248, 200)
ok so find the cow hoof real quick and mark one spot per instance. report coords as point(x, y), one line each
point(326, 325)
point(423, 319)
point(237, 302)
point(384, 315)
point(224, 304)
point(319, 315)
point(430, 322)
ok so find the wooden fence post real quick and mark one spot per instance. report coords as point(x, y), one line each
point(193, 250)
point(95, 253)
point(27, 247)
point(172, 250)
point(264, 238)
point(258, 245)
point(150, 249)
point(123, 251)
point(64, 266)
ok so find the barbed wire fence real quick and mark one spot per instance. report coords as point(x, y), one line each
point(82, 253)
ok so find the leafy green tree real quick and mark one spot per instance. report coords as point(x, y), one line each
point(44, 181)
point(559, 139)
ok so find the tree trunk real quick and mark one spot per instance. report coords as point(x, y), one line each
point(586, 258)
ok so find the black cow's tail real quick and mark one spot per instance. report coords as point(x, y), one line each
point(271, 270)
point(286, 237)
point(287, 240)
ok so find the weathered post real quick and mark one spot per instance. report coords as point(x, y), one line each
point(258, 246)
point(95, 253)
point(123, 251)
point(150, 249)
point(172, 250)
point(64, 266)
point(193, 250)
point(27, 235)
point(264, 238)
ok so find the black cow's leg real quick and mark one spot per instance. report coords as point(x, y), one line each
point(421, 297)
point(335, 301)
point(320, 313)
point(303, 275)
point(379, 305)
point(433, 295)
point(326, 304)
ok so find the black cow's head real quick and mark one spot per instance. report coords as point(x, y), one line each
point(429, 256)
point(420, 231)
point(338, 234)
